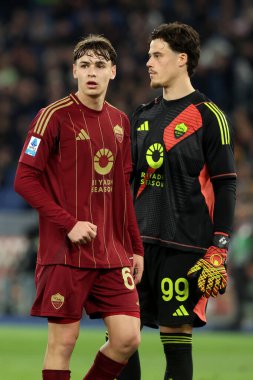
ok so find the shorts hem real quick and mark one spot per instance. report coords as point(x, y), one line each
point(50, 315)
point(103, 314)
point(155, 325)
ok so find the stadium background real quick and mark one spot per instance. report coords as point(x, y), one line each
point(36, 42)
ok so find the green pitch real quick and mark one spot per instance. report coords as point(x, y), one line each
point(217, 356)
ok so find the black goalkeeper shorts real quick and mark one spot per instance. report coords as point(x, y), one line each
point(167, 297)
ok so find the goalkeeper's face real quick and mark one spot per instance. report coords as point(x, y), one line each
point(165, 66)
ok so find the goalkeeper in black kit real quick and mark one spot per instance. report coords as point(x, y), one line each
point(184, 185)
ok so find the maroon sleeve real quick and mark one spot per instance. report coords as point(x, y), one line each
point(41, 143)
point(132, 222)
point(28, 185)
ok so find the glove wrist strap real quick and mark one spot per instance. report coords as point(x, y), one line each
point(221, 240)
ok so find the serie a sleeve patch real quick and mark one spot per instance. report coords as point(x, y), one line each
point(33, 146)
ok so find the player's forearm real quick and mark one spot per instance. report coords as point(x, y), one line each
point(225, 196)
point(28, 185)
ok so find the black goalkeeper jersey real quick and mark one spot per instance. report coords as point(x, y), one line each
point(180, 148)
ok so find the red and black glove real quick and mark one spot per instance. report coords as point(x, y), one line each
point(211, 268)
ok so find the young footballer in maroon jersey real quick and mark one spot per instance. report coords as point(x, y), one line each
point(184, 188)
point(74, 169)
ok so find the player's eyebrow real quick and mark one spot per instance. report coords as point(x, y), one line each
point(154, 53)
point(90, 61)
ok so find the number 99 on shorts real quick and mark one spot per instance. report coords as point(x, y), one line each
point(178, 289)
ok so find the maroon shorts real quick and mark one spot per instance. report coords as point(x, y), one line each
point(64, 292)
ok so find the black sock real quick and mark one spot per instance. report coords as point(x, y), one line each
point(133, 368)
point(178, 352)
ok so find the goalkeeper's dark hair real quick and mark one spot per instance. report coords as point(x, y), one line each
point(98, 44)
point(182, 38)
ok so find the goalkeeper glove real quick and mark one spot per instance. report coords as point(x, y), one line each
point(211, 269)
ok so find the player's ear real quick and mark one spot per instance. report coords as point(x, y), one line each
point(182, 59)
point(74, 71)
point(113, 72)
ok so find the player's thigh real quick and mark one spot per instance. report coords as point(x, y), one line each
point(63, 334)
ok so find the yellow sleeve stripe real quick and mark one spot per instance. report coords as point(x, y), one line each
point(42, 122)
point(73, 98)
point(44, 113)
point(224, 130)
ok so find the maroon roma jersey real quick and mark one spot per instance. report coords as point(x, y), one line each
point(77, 162)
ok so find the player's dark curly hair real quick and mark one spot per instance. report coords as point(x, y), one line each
point(181, 38)
point(98, 44)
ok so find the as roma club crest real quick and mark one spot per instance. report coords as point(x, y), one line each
point(180, 130)
point(119, 133)
point(57, 300)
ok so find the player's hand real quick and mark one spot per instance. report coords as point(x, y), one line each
point(211, 272)
point(137, 268)
point(83, 232)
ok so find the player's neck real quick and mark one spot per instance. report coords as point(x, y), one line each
point(179, 89)
point(94, 103)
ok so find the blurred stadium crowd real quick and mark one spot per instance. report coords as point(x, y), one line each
point(36, 43)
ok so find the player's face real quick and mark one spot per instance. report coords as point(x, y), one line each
point(163, 65)
point(93, 74)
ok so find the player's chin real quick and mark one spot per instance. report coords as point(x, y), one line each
point(154, 84)
point(94, 94)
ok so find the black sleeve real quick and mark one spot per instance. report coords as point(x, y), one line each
point(218, 143)
point(225, 196)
